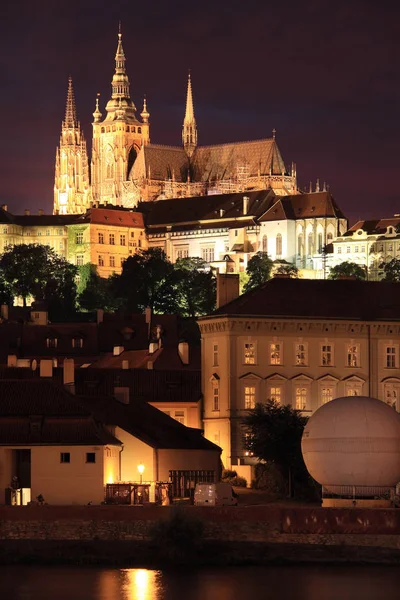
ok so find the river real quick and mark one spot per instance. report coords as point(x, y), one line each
point(308, 582)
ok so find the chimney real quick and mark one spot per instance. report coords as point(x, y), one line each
point(27, 212)
point(41, 212)
point(227, 288)
point(150, 365)
point(69, 372)
point(4, 311)
point(125, 365)
point(221, 212)
point(4, 207)
point(183, 351)
point(153, 347)
point(46, 367)
point(11, 360)
point(100, 315)
point(245, 204)
point(117, 350)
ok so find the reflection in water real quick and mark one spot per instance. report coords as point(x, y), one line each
point(261, 583)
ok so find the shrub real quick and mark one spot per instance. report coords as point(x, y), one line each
point(179, 538)
point(238, 481)
point(227, 475)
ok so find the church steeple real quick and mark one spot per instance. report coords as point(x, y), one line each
point(70, 108)
point(189, 130)
point(120, 94)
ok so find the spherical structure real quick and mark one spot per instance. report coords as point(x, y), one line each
point(353, 441)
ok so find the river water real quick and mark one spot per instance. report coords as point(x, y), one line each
point(308, 582)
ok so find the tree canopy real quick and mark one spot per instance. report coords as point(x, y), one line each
point(94, 291)
point(34, 270)
point(287, 269)
point(259, 270)
point(347, 269)
point(195, 287)
point(392, 270)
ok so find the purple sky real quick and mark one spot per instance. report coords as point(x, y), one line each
point(325, 74)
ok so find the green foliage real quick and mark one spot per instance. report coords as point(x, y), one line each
point(347, 269)
point(195, 287)
point(5, 293)
point(38, 271)
point(273, 434)
point(94, 291)
point(145, 281)
point(179, 538)
point(287, 269)
point(392, 270)
point(229, 476)
point(259, 270)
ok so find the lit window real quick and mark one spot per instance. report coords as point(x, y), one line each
point(77, 342)
point(355, 248)
point(265, 243)
point(65, 457)
point(319, 243)
point(112, 239)
point(182, 253)
point(215, 397)
point(122, 240)
point(353, 355)
point(348, 249)
point(47, 231)
point(79, 260)
point(300, 354)
point(179, 415)
point(326, 355)
point(249, 397)
point(275, 354)
point(339, 250)
point(101, 261)
point(51, 342)
point(391, 357)
point(207, 254)
point(215, 355)
point(310, 242)
point(362, 248)
point(91, 457)
point(275, 394)
point(326, 395)
point(112, 261)
point(301, 398)
point(249, 354)
point(391, 394)
point(101, 238)
point(354, 391)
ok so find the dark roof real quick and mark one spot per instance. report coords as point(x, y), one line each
point(318, 299)
point(221, 208)
point(56, 417)
point(303, 206)
point(374, 227)
point(109, 215)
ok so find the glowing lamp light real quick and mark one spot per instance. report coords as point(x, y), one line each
point(141, 471)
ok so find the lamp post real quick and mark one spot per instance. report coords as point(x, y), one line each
point(141, 470)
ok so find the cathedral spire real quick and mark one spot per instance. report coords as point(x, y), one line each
point(120, 81)
point(71, 119)
point(189, 131)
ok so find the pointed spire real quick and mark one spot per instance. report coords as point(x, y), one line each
point(97, 114)
point(70, 109)
point(273, 133)
point(145, 114)
point(120, 81)
point(189, 131)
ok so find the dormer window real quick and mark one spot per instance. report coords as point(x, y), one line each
point(77, 342)
point(51, 342)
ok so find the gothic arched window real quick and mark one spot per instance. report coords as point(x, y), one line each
point(279, 244)
point(319, 243)
point(310, 244)
point(265, 243)
point(300, 244)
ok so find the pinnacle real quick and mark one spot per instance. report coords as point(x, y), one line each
point(71, 119)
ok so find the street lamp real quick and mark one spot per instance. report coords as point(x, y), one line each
point(141, 470)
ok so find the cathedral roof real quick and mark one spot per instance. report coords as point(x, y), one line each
point(223, 161)
point(161, 162)
point(303, 206)
point(224, 209)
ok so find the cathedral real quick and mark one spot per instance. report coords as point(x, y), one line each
point(127, 168)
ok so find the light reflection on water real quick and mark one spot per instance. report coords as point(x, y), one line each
point(270, 583)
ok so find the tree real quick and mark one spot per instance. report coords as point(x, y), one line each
point(287, 269)
point(33, 270)
point(146, 281)
point(392, 270)
point(94, 291)
point(195, 287)
point(273, 434)
point(347, 269)
point(259, 270)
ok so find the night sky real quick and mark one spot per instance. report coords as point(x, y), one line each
point(325, 74)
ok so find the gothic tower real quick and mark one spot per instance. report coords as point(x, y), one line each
point(189, 130)
point(117, 138)
point(71, 183)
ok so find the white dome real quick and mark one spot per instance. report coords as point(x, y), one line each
point(353, 441)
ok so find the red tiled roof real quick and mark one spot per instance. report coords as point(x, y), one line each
point(303, 206)
point(374, 227)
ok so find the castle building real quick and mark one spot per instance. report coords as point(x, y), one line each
point(127, 168)
point(369, 244)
